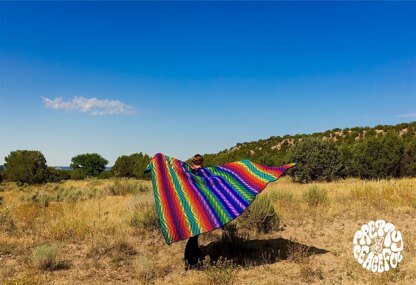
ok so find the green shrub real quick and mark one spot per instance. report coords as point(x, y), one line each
point(76, 195)
point(261, 216)
point(145, 217)
point(89, 164)
point(315, 196)
point(104, 175)
point(45, 257)
point(316, 160)
point(131, 166)
point(220, 272)
point(378, 158)
point(39, 198)
point(283, 196)
point(78, 174)
point(26, 166)
point(1, 173)
point(57, 175)
point(124, 187)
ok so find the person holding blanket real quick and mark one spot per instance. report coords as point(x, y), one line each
point(192, 250)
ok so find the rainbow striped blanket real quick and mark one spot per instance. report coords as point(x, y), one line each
point(189, 204)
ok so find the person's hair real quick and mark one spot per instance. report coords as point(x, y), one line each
point(197, 159)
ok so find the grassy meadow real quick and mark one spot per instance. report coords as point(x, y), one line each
point(106, 232)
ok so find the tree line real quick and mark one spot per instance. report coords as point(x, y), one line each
point(373, 158)
point(366, 153)
point(30, 167)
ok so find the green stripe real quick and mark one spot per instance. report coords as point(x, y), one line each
point(211, 198)
point(239, 188)
point(184, 202)
point(158, 207)
point(261, 174)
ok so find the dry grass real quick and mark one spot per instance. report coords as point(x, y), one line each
point(106, 231)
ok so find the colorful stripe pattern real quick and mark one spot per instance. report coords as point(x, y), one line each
point(191, 204)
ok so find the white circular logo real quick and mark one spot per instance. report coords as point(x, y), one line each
point(378, 246)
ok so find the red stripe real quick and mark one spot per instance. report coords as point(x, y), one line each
point(200, 211)
point(247, 176)
point(173, 235)
point(177, 209)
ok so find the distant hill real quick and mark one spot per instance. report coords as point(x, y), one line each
point(273, 151)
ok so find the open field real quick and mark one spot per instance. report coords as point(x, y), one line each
point(106, 232)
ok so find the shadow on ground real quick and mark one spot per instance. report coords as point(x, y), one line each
point(259, 251)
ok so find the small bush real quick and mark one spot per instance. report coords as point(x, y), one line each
point(1, 200)
point(40, 198)
point(145, 217)
point(45, 257)
point(261, 216)
point(57, 175)
point(76, 195)
point(283, 196)
point(315, 196)
point(121, 188)
point(104, 175)
point(220, 272)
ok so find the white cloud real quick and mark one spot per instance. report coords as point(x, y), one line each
point(409, 115)
point(92, 106)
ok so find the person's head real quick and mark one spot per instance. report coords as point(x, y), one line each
point(198, 160)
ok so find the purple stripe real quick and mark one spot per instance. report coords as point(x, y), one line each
point(219, 193)
point(242, 181)
point(203, 201)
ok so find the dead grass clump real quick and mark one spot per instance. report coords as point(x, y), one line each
point(69, 229)
point(121, 250)
point(25, 280)
point(389, 277)
point(220, 272)
point(299, 254)
point(11, 244)
point(308, 273)
point(45, 257)
point(315, 196)
point(145, 217)
point(281, 196)
point(25, 215)
point(146, 269)
point(260, 216)
point(118, 250)
point(7, 222)
point(94, 182)
point(380, 194)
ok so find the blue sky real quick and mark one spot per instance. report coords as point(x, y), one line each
point(185, 78)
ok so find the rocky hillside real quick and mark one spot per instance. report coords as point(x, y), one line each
point(273, 151)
